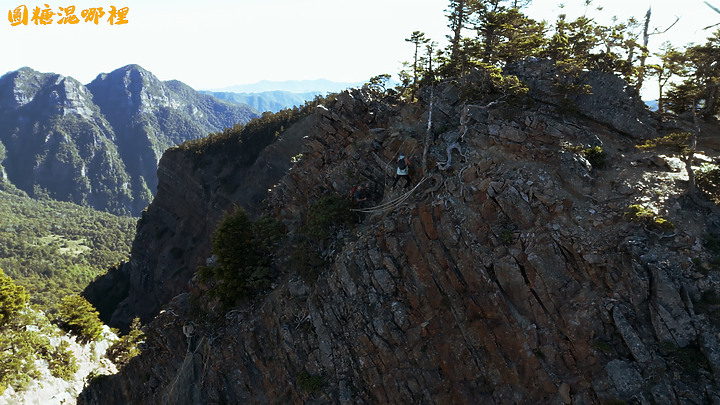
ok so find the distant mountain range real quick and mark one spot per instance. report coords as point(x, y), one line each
point(273, 101)
point(293, 86)
point(99, 144)
point(276, 95)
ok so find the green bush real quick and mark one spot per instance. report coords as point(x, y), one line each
point(707, 179)
point(62, 362)
point(596, 156)
point(677, 142)
point(244, 252)
point(22, 346)
point(328, 211)
point(324, 218)
point(79, 318)
point(638, 213)
point(308, 382)
point(125, 348)
point(13, 298)
point(689, 358)
point(507, 237)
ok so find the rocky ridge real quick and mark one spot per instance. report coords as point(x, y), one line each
point(510, 275)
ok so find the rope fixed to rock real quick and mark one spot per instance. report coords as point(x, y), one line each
point(390, 204)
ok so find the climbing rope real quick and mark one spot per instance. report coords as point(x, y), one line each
point(186, 362)
point(391, 204)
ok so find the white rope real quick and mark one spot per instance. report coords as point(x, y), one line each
point(186, 362)
point(391, 204)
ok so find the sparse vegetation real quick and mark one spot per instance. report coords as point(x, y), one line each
point(328, 212)
point(638, 213)
point(707, 179)
point(324, 219)
point(62, 362)
point(689, 358)
point(506, 237)
point(308, 382)
point(709, 304)
point(602, 346)
point(126, 347)
point(246, 141)
point(677, 142)
point(596, 156)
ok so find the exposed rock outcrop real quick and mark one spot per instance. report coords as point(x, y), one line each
point(173, 234)
point(510, 276)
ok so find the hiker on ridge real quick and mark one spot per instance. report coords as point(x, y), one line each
point(359, 195)
point(403, 170)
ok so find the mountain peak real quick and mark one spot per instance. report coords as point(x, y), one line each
point(132, 66)
point(17, 88)
point(127, 74)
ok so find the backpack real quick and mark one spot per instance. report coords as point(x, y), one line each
point(401, 164)
point(352, 191)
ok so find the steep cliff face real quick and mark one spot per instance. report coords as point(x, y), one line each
point(510, 274)
point(173, 234)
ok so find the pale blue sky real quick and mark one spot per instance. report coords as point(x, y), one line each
point(217, 43)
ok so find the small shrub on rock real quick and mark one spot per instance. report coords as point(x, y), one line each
point(638, 213)
point(707, 179)
point(126, 347)
point(328, 211)
point(596, 156)
point(308, 382)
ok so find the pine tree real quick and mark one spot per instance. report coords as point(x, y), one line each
point(418, 39)
point(21, 346)
point(459, 15)
point(79, 318)
point(706, 73)
point(495, 21)
point(672, 63)
point(126, 347)
point(13, 298)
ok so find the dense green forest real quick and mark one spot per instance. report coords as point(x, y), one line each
point(55, 249)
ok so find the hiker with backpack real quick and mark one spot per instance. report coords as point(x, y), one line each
point(403, 170)
point(358, 195)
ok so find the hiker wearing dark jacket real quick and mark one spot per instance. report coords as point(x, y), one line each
point(359, 195)
point(403, 170)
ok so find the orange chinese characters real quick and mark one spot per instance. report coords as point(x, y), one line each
point(92, 14)
point(18, 16)
point(66, 15)
point(118, 16)
point(70, 17)
point(42, 16)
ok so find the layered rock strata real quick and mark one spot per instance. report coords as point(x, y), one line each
point(510, 275)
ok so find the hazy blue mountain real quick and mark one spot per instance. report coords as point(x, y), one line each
point(100, 144)
point(293, 86)
point(267, 100)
